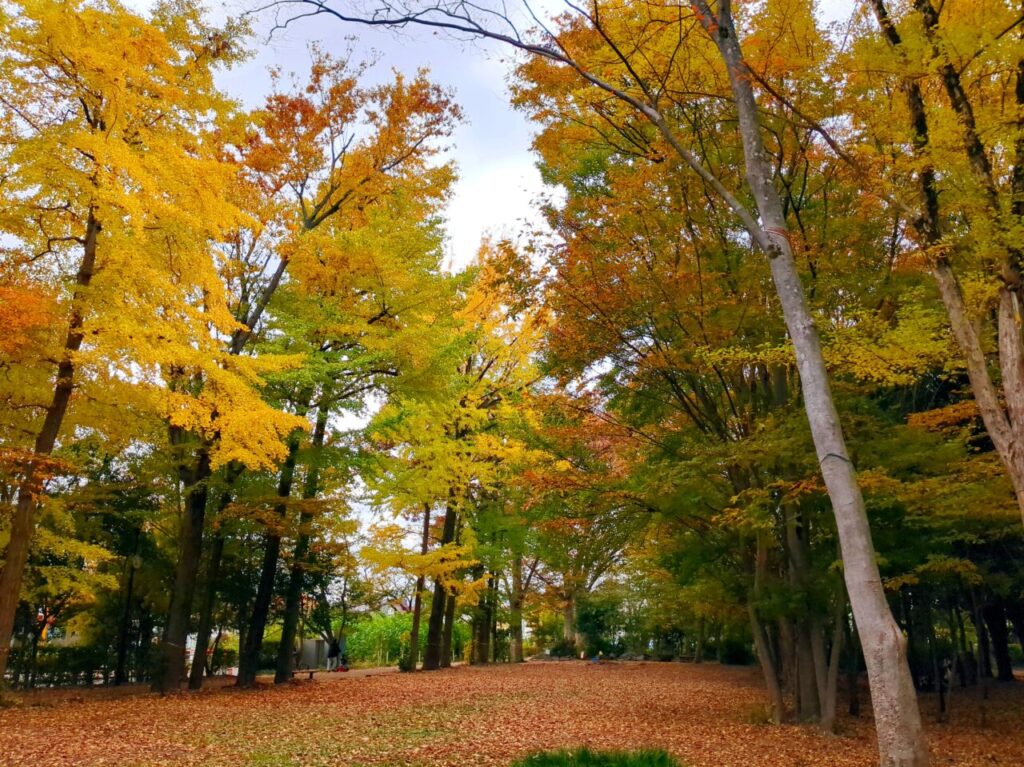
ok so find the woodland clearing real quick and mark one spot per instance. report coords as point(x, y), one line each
point(704, 715)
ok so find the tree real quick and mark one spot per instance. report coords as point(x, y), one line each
point(967, 161)
point(630, 52)
point(109, 205)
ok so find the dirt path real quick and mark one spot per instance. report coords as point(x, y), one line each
point(708, 716)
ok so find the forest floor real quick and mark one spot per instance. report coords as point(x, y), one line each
point(707, 716)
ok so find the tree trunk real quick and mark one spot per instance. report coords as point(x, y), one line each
point(810, 659)
point(121, 668)
point(516, 610)
point(995, 619)
point(483, 624)
point(23, 520)
point(297, 577)
point(435, 624)
point(170, 668)
point(1016, 613)
point(417, 602)
point(984, 646)
point(447, 631)
point(249, 655)
point(698, 653)
point(198, 671)
point(143, 662)
point(494, 618)
point(479, 635)
point(828, 703)
point(901, 740)
point(764, 654)
point(569, 618)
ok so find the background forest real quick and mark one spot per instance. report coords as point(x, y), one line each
point(244, 401)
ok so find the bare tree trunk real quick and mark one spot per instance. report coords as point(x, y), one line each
point(516, 609)
point(23, 522)
point(121, 669)
point(995, 619)
point(435, 625)
point(417, 602)
point(764, 653)
point(569, 618)
point(901, 740)
point(198, 670)
point(483, 635)
point(297, 577)
point(828, 702)
point(249, 655)
point(447, 631)
point(170, 668)
point(810, 671)
point(698, 653)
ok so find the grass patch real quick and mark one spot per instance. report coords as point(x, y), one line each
point(587, 758)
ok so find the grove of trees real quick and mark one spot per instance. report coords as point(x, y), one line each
point(757, 393)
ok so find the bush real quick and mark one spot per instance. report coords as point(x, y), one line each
point(587, 758)
point(734, 652)
point(227, 657)
point(405, 663)
point(268, 654)
point(564, 649)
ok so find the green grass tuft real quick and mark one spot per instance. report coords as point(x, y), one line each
point(587, 758)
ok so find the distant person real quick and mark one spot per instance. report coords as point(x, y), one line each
point(333, 654)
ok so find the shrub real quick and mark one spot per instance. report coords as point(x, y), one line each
point(734, 652)
point(587, 758)
point(564, 649)
point(268, 654)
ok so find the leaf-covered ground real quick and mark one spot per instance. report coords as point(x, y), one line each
point(707, 716)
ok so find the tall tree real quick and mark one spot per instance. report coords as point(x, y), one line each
point(646, 51)
point(110, 196)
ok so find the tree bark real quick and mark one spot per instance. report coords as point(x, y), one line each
point(810, 671)
point(901, 740)
point(569, 618)
point(698, 652)
point(249, 657)
point(121, 669)
point(483, 624)
point(764, 653)
point(447, 631)
point(198, 670)
point(829, 701)
point(995, 619)
point(516, 610)
point(417, 602)
point(297, 577)
point(23, 521)
point(170, 664)
point(435, 623)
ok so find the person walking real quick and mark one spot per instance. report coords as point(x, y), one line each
point(333, 653)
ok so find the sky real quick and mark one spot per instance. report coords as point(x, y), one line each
point(498, 180)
